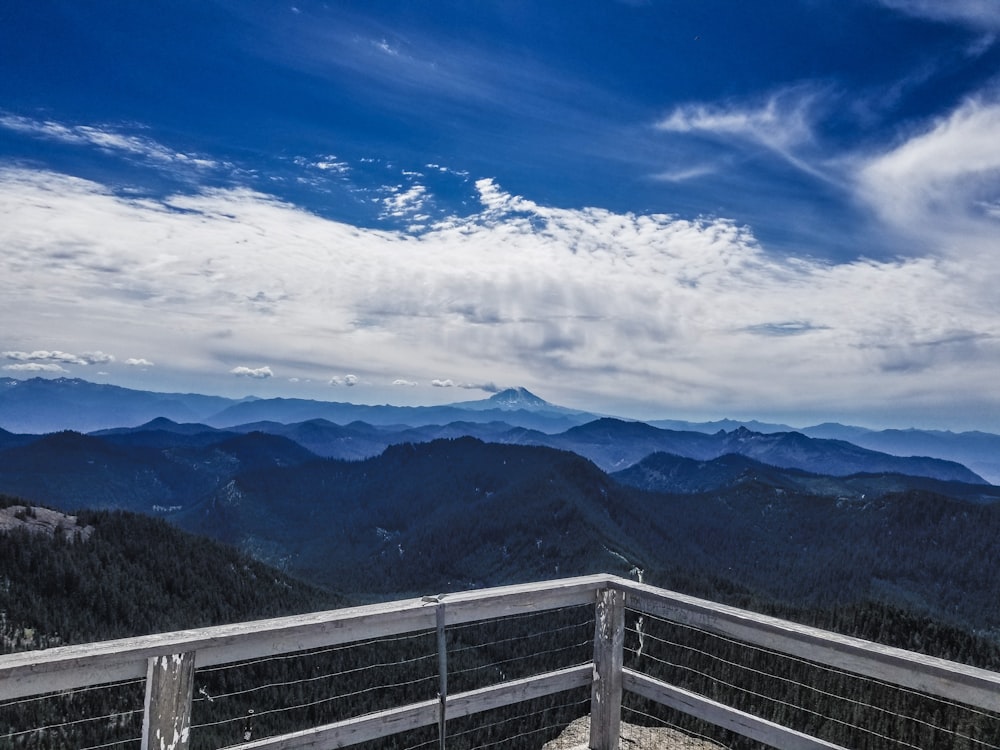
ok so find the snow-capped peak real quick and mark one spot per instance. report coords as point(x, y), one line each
point(517, 398)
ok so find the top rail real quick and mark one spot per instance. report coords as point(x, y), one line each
point(68, 667)
point(927, 674)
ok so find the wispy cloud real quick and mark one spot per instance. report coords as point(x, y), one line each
point(943, 182)
point(487, 387)
point(326, 163)
point(447, 170)
point(402, 61)
point(449, 383)
point(784, 328)
point(383, 46)
point(684, 174)
point(978, 14)
point(782, 122)
point(138, 362)
point(103, 137)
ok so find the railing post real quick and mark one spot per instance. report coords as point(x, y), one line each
point(442, 645)
point(166, 721)
point(606, 693)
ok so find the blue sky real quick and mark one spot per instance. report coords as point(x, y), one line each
point(695, 209)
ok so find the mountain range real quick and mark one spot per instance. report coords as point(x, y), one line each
point(43, 405)
point(376, 510)
point(39, 405)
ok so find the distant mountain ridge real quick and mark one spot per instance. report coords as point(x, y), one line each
point(40, 405)
point(614, 445)
point(980, 451)
point(164, 467)
point(610, 443)
point(663, 472)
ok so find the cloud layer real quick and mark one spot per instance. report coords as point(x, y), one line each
point(644, 313)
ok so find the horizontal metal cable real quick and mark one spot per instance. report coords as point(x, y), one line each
point(518, 638)
point(316, 678)
point(533, 655)
point(74, 691)
point(111, 744)
point(824, 667)
point(74, 722)
point(328, 699)
point(806, 686)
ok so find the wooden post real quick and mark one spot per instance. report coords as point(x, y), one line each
point(606, 693)
point(166, 722)
point(442, 645)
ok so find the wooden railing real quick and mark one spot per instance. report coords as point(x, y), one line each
point(168, 661)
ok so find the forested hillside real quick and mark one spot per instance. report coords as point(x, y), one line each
point(130, 575)
point(145, 472)
point(460, 513)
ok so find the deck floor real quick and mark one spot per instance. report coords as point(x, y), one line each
point(577, 735)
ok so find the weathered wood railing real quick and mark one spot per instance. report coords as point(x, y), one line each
point(168, 661)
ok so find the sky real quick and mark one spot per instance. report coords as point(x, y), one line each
point(692, 209)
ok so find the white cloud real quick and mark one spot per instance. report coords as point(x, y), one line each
point(403, 202)
point(941, 183)
point(35, 367)
point(346, 380)
point(97, 358)
point(259, 373)
point(618, 312)
point(405, 383)
point(138, 362)
point(446, 170)
point(497, 200)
